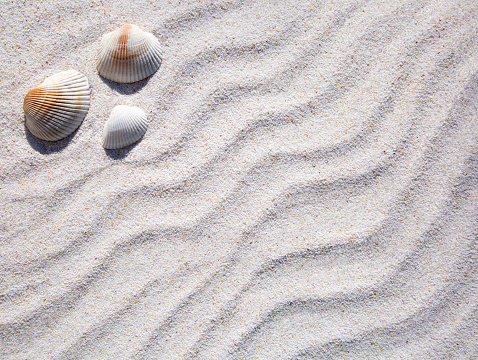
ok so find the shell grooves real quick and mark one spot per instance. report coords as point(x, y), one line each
point(56, 108)
point(125, 126)
point(128, 54)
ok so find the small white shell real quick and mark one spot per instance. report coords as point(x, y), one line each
point(55, 108)
point(128, 54)
point(125, 126)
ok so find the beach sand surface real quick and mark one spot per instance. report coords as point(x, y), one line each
point(307, 187)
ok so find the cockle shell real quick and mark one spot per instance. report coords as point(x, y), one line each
point(56, 107)
point(125, 126)
point(128, 54)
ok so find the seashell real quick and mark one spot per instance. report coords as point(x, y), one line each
point(55, 108)
point(125, 126)
point(128, 54)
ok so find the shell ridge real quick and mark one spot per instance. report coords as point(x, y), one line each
point(47, 129)
point(70, 99)
point(67, 80)
point(74, 85)
point(116, 61)
point(65, 114)
point(53, 116)
point(152, 56)
point(124, 58)
point(59, 108)
point(141, 49)
point(149, 62)
point(139, 69)
point(106, 52)
point(106, 65)
point(59, 121)
point(131, 124)
point(68, 91)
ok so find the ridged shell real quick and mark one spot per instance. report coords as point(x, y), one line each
point(125, 126)
point(55, 108)
point(128, 54)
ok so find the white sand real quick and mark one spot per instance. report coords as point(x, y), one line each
point(307, 187)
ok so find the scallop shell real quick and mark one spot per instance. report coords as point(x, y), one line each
point(55, 108)
point(125, 126)
point(128, 54)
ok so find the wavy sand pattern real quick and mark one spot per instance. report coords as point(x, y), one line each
point(307, 187)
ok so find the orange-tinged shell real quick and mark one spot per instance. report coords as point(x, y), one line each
point(55, 108)
point(128, 54)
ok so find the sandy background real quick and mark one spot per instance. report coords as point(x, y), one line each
point(307, 187)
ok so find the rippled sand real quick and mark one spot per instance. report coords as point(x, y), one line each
point(307, 187)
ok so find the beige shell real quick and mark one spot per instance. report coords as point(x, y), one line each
point(128, 54)
point(125, 126)
point(55, 108)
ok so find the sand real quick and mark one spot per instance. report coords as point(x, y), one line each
point(306, 189)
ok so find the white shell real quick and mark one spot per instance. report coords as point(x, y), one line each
point(55, 108)
point(128, 54)
point(125, 126)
